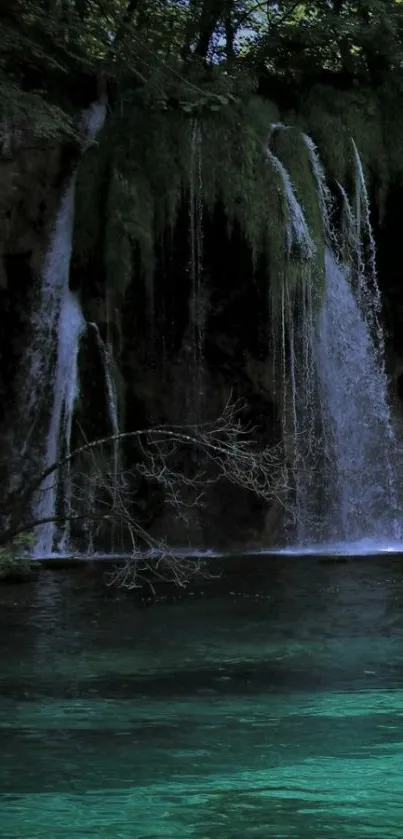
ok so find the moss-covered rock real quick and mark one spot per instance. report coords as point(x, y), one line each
point(15, 568)
point(334, 117)
point(15, 562)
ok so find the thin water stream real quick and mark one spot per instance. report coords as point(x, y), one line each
point(105, 352)
point(52, 368)
point(273, 709)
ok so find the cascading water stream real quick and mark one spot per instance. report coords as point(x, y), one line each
point(297, 231)
point(40, 362)
point(344, 480)
point(324, 195)
point(350, 239)
point(58, 326)
point(363, 214)
point(70, 328)
point(294, 356)
point(354, 408)
point(112, 399)
point(367, 279)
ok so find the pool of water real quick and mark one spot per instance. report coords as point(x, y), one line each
point(270, 710)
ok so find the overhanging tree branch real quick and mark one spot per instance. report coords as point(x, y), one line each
point(101, 496)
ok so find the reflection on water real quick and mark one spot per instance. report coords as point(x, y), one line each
point(275, 713)
point(358, 547)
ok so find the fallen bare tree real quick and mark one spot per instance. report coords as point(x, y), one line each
point(102, 492)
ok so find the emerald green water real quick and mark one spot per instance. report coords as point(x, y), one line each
point(277, 712)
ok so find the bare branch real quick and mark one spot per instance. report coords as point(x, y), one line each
point(182, 461)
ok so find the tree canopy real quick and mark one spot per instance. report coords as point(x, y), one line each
point(332, 69)
point(139, 41)
point(186, 54)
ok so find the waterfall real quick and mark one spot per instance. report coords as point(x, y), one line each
point(71, 325)
point(355, 414)
point(40, 360)
point(344, 441)
point(58, 325)
point(296, 351)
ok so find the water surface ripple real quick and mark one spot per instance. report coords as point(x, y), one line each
point(276, 711)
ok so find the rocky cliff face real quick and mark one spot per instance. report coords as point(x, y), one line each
point(154, 349)
point(154, 359)
point(160, 375)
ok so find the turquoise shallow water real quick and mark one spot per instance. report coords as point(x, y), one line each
point(276, 711)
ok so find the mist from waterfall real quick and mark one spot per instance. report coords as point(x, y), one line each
point(58, 326)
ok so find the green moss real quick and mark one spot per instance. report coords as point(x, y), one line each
point(332, 117)
point(392, 124)
point(15, 563)
point(90, 185)
point(14, 569)
point(24, 113)
point(237, 172)
point(289, 146)
point(157, 158)
point(129, 221)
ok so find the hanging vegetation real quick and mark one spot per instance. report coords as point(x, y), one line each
point(149, 175)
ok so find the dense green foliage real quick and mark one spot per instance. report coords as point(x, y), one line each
point(191, 86)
